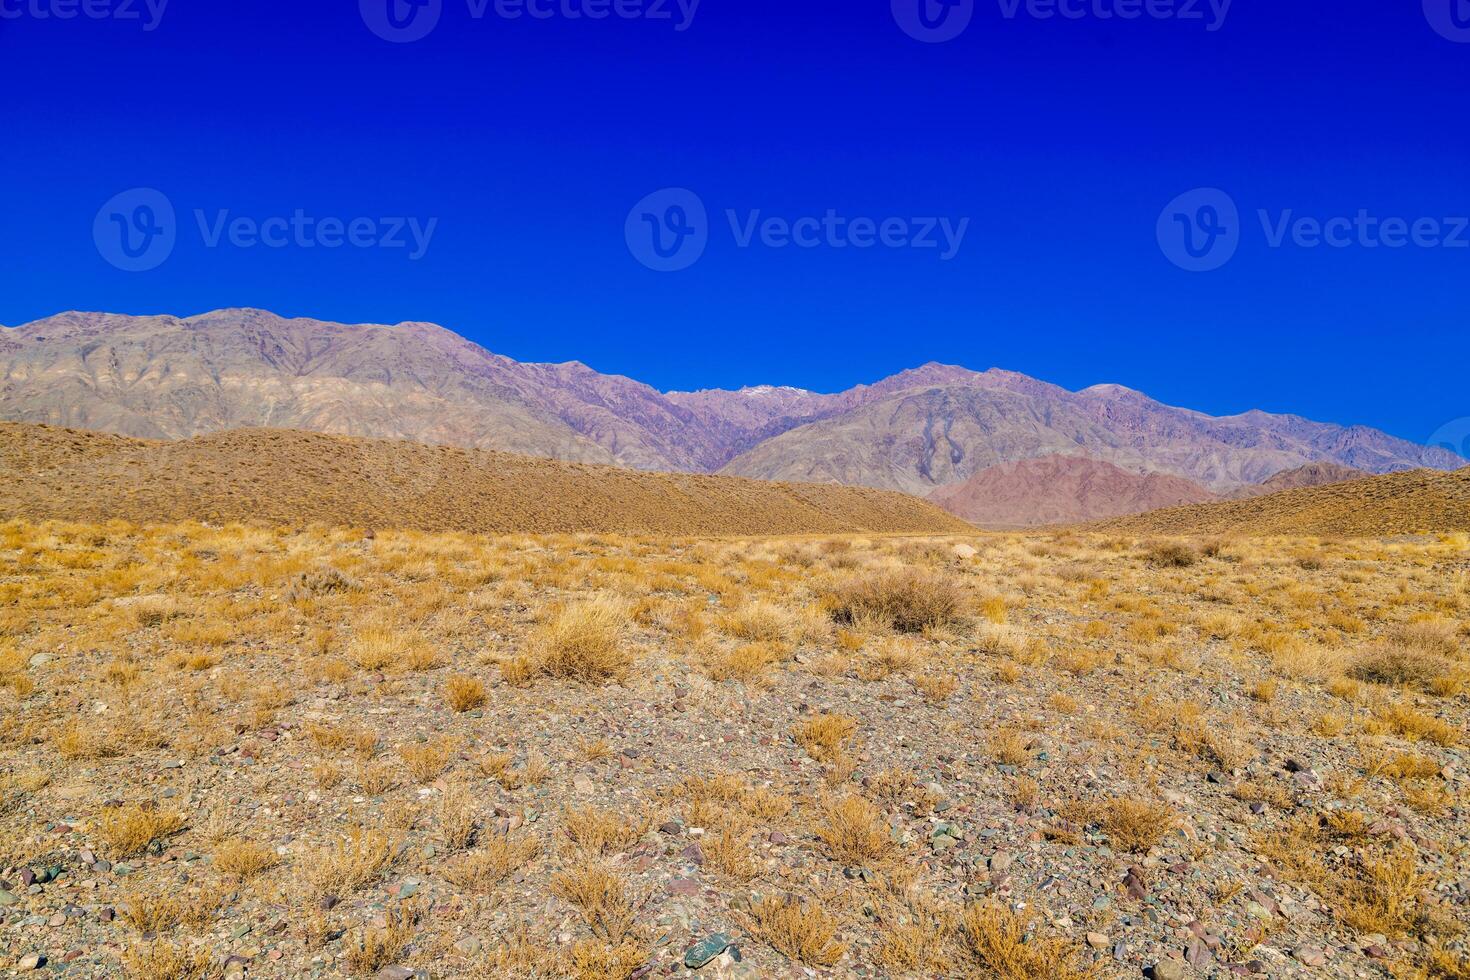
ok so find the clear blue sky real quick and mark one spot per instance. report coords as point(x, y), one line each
point(529, 140)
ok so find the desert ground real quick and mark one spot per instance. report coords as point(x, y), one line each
point(232, 751)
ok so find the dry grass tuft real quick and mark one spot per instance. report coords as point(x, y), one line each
point(128, 830)
point(824, 735)
point(803, 932)
point(1135, 825)
point(996, 941)
point(583, 642)
point(602, 832)
point(600, 895)
point(909, 601)
point(463, 693)
point(166, 961)
point(357, 860)
point(243, 858)
point(852, 831)
point(491, 863)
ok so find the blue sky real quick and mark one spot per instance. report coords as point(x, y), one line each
point(524, 144)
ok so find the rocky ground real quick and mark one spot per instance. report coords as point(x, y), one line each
point(227, 751)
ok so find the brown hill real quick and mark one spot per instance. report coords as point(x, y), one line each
point(1311, 475)
point(282, 477)
point(164, 377)
point(1419, 501)
point(1060, 490)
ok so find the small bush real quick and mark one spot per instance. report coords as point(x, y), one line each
point(909, 601)
point(463, 693)
point(128, 830)
point(996, 940)
point(583, 642)
point(243, 858)
point(1133, 825)
point(802, 932)
point(1171, 554)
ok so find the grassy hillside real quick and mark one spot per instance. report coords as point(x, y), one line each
point(282, 477)
point(1400, 503)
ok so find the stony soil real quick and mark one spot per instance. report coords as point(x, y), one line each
point(915, 743)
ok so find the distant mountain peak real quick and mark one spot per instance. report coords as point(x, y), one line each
point(924, 427)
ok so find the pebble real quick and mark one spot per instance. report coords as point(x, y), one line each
point(1309, 955)
point(1097, 940)
point(32, 961)
point(1168, 970)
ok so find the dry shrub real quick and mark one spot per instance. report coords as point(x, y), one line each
point(936, 689)
point(909, 600)
point(1383, 895)
point(464, 693)
point(128, 830)
point(387, 650)
point(823, 735)
point(1171, 554)
point(804, 932)
point(357, 860)
point(1412, 725)
point(1400, 666)
point(497, 765)
point(729, 853)
point(1135, 825)
point(243, 858)
point(600, 895)
point(457, 823)
point(491, 863)
point(760, 621)
point(152, 913)
point(426, 761)
point(369, 950)
point(592, 959)
point(915, 938)
point(599, 832)
point(583, 642)
point(745, 663)
point(995, 940)
point(852, 831)
point(166, 961)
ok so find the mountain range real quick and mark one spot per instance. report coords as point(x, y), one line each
point(165, 377)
